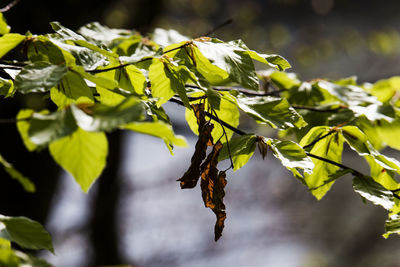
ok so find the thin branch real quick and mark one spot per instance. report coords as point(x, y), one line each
point(9, 6)
point(13, 120)
point(240, 89)
point(353, 171)
point(140, 61)
point(319, 139)
point(223, 24)
point(316, 109)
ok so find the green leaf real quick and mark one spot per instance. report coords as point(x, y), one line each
point(4, 28)
point(168, 37)
point(162, 86)
point(23, 124)
point(386, 89)
point(231, 59)
point(83, 154)
point(27, 184)
point(214, 98)
point(96, 79)
point(389, 132)
point(271, 110)
point(374, 192)
point(358, 141)
point(158, 129)
point(291, 155)
point(25, 232)
point(350, 94)
point(40, 48)
point(39, 77)
point(77, 55)
point(313, 134)
point(392, 225)
point(98, 33)
point(227, 112)
point(274, 61)
point(131, 79)
point(9, 41)
point(45, 128)
point(212, 73)
point(107, 118)
point(330, 148)
point(241, 150)
point(72, 89)
point(68, 34)
point(6, 88)
point(285, 81)
point(65, 32)
point(166, 80)
point(374, 112)
point(8, 258)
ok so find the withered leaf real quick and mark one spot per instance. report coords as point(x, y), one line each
point(192, 175)
point(212, 188)
point(219, 209)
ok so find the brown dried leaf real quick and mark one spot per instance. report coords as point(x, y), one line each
point(192, 175)
point(212, 188)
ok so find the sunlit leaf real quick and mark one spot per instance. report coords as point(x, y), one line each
point(291, 155)
point(350, 94)
point(158, 129)
point(168, 37)
point(7, 88)
point(107, 118)
point(234, 61)
point(240, 148)
point(45, 128)
point(71, 89)
point(4, 28)
point(82, 154)
point(40, 48)
point(392, 225)
point(9, 41)
point(374, 192)
point(40, 76)
point(271, 110)
point(164, 83)
point(330, 148)
point(27, 184)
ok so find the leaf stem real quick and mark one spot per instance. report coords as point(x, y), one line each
point(353, 171)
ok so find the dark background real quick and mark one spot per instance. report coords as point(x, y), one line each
point(320, 38)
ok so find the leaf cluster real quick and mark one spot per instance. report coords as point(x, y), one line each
point(101, 80)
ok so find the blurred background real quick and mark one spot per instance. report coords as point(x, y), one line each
point(136, 213)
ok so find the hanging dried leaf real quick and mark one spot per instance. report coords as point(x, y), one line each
point(212, 188)
point(192, 175)
point(219, 210)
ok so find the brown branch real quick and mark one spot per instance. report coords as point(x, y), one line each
point(9, 6)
